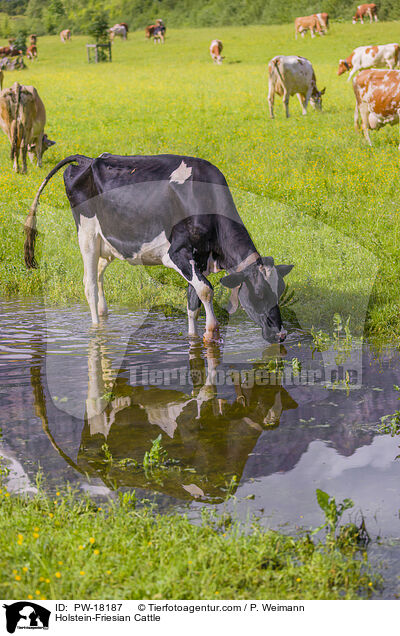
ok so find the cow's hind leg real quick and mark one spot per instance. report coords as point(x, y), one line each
point(101, 304)
point(89, 244)
point(286, 97)
point(365, 121)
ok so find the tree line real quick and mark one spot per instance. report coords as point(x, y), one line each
point(50, 16)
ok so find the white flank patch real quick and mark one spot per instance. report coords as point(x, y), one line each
point(181, 174)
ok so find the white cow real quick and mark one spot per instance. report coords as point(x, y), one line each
point(293, 75)
point(381, 56)
point(118, 29)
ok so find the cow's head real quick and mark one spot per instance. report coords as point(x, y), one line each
point(343, 67)
point(316, 98)
point(258, 288)
point(46, 143)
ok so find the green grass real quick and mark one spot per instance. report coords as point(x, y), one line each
point(69, 548)
point(309, 189)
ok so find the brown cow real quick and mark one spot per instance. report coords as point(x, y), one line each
point(307, 23)
point(323, 19)
point(370, 10)
point(9, 51)
point(23, 118)
point(149, 30)
point(377, 99)
point(31, 52)
point(65, 35)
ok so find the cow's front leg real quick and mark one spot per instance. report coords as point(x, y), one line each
point(193, 310)
point(39, 151)
point(183, 262)
point(303, 103)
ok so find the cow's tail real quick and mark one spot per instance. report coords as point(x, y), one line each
point(16, 125)
point(30, 223)
point(276, 64)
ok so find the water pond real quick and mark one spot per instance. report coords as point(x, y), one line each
point(267, 424)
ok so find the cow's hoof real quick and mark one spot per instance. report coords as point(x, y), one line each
point(212, 337)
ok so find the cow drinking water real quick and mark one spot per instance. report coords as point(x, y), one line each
point(167, 210)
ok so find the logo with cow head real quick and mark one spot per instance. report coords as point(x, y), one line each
point(26, 615)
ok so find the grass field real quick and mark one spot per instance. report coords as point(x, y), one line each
point(64, 548)
point(309, 189)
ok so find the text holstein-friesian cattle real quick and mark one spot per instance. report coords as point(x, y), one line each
point(369, 10)
point(172, 210)
point(293, 75)
point(382, 55)
point(377, 100)
point(23, 118)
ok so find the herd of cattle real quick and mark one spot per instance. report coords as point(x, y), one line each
point(191, 245)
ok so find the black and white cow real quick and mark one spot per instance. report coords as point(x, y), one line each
point(171, 210)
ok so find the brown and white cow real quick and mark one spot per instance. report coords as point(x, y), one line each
point(323, 19)
point(293, 75)
point(307, 23)
point(370, 10)
point(31, 52)
point(149, 30)
point(216, 47)
point(377, 99)
point(380, 56)
point(23, 118)
point(65, 35)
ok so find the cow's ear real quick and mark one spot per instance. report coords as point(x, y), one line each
point(268, 261)
point(323, 91)
point(284, 270)
point(232, 280)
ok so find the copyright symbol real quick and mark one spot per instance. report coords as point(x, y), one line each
point(141, 607)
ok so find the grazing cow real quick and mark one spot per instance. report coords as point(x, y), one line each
point(323, 19)
point(370, 10)
point(293, 75)
point(383, 55)
point(171, 210)
point(31, 52)
point(215, 51)
point(33, 39)
point(377, 99)
point(65, 35)
point(23, 118)
point(10, 51)
point(159, 32)
point(307, 23)
point(118, 29)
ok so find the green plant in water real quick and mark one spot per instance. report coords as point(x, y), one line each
point(296, 366)
point(342, 338)
point(391, 423)
point(350, 535)
point(321, 340)
point(156, 457)
point(108, 458)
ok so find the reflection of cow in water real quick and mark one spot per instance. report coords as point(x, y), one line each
point(207, 437)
